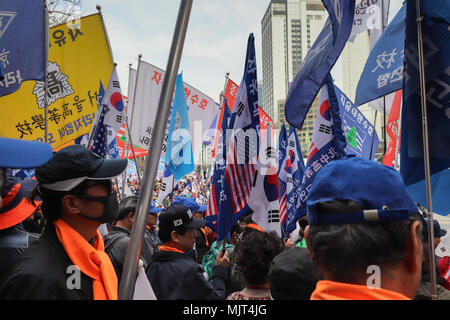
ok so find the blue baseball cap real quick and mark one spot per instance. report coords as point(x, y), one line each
point(154, 209)
point(23, 154)
point(190, 203)
point(378, 189)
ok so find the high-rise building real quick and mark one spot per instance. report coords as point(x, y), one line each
point(289, 28)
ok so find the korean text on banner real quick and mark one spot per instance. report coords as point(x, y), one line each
point(22, 27)
point(79, 58)
point(202, 109)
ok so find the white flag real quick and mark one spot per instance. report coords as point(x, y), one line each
point(143, 289)
point(264, 198)
point(368, 16)
point(202, 109)
point(131, 86)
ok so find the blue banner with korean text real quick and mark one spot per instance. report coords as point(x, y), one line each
point(22, 43)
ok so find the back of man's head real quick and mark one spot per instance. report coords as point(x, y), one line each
point(362, 217)
point(126, 206)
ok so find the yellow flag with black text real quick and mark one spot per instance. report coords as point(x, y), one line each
point(79, 58)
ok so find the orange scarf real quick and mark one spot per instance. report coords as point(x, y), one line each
point(168, 248)
point(255, 226)
point(91, 260)
point(331, 290)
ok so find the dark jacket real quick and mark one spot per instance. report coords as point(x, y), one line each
point(116, 245)
point(176, 276)
point(152, 239)
point(13, 242)
point(201, 247)
point(44, 272)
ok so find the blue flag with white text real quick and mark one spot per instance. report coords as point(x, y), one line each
point(436, 45)
point(179, 144)
point(320, 60)
point(359, 133)
point(218, 179)
point(383, 72)
point(22, 39)
point(328, 142)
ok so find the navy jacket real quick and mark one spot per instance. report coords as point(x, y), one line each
point(42, 273)
point(176, 276)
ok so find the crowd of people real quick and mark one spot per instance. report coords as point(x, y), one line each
point(64, 235)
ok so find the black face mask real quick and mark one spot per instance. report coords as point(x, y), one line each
point(110, 208)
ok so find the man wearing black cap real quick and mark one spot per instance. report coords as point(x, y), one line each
point(173, 274)
point(364, 233)
point(68, 261)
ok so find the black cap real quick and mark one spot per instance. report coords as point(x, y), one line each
point(72, 165)
point(177, 216)
point(292, 275)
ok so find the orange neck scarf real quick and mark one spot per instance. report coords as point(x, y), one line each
point(255, 226)
point(168, 248)
point(331, 290)
point(91, 260)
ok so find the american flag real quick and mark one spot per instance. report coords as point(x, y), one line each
point(242, 153)
point(100, 144)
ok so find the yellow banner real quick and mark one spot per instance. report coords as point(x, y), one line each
point(79, 58)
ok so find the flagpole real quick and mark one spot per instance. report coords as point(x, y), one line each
point(46, 39)
point(373, 135)
point(125, 152)
point(397, 142)
point(128, 279)
point(426, 151)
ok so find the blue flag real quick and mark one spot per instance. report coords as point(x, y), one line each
point(179, 144)
point(23, 47)
point(436, 46)
point(243, 150)
point(284, 177)
point(357, 129)
point(328, 142)
point(320, 60)
point(218, 178)
point(383, 72)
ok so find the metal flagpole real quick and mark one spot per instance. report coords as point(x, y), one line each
point(128, 279)
point(397, 142)
point(426, 151)
point(47, 43)
point(373, 135)
point(94, 125)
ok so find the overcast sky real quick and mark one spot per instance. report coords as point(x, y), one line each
point(215, 42)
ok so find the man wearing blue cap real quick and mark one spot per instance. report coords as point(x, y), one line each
point(365, 233)
point(151, 233)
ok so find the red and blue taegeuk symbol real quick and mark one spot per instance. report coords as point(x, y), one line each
point(116, 101)
point(325, 110)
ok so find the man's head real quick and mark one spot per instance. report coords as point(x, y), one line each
point(76, 184)
point(21, 154)
point(198, 211)
point(438, 233)
point(176, 227)
point(17, 206)
point(153, 213)
point(361, 217)
point(127, 208)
